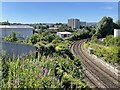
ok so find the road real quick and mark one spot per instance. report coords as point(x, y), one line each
point(97, 75)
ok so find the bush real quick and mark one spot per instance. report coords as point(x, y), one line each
point(109, 54)
point(12, 37)
point(57, 72)
point(104, 27)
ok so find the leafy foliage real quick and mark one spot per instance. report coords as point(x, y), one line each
point(35, 38)
point(57, 72)
point(108, 49)
point(12, 37)
point(105, 27)
point(5, 23)
point(108, 41)
point(43, 36)
point(55, 66)
point(112, 41)
point(82, 34)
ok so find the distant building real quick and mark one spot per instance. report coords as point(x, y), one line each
point(91, 24)
point(64, 34)
point(23, 30)
point(116, 32)
point(83, 23)
point(74, 23)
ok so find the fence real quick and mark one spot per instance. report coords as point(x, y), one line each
point(11, 48)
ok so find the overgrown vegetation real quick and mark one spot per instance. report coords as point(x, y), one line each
point(106, 27)
point(12, 37)
point(108, 49)
point(30, 72)
point(87, 32)
point(55, 66)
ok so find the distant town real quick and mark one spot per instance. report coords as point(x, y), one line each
point(47, 55)
point(72, 25)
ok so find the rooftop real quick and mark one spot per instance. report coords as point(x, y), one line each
point(15, 26)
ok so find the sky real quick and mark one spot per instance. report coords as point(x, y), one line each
point(57, 12)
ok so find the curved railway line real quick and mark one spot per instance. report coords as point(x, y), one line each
point(95, 73)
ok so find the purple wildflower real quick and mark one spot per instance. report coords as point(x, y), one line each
point(45, 71)
point(16, 82)
point(40, 75)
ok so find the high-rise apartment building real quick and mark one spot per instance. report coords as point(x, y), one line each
point(74, 23)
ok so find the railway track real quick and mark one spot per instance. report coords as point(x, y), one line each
point(95, 74)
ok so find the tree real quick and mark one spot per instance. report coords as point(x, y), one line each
point(13, 36)
point(5, 23)
point(104, 27)
point(94, 39)
point(117, 24)
point(109, 40)
point(35, 38)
